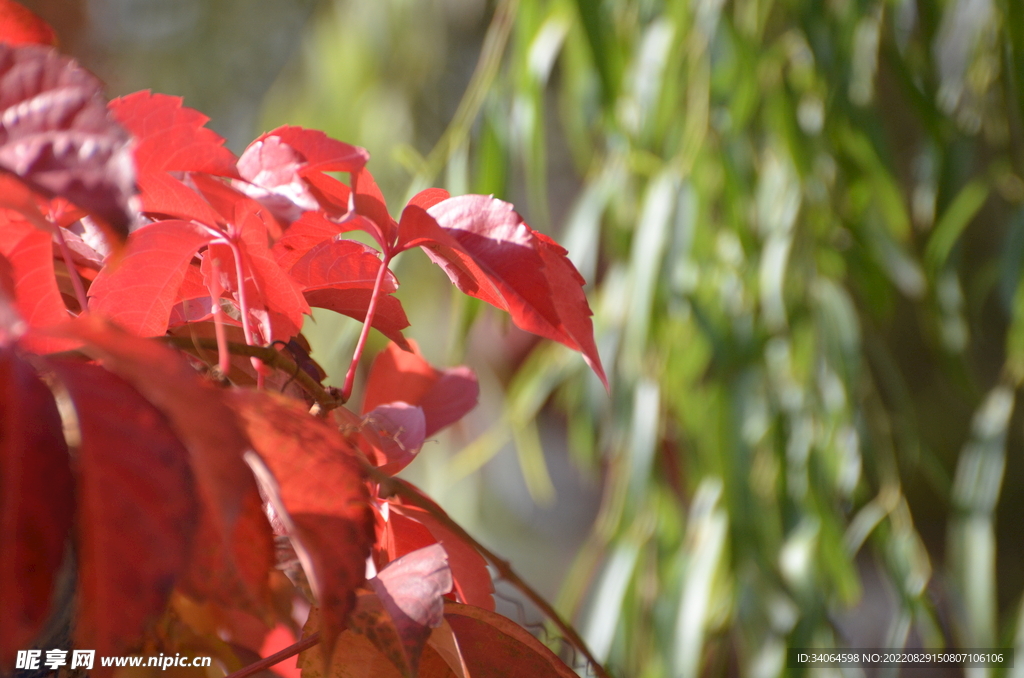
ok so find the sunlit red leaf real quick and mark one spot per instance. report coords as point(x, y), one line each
point(322, 488)
point(494, 645)
point(56, 135)
point(133, 479)
point(389, 320)
point(140, 290)
point(164, 196)
point(445, 395)
point(489, 253)
point(19, 26)
point(36, 296)
point(341, 264)
point(208, 428)
point(36, 503)
point(170, 137)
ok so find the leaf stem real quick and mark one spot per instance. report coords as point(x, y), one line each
point(390, 486)
point(277, 657)
point(76, 281)
point(273, 358)
point(216, 290)
point(371, 310)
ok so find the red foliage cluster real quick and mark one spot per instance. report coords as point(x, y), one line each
point(189, 500)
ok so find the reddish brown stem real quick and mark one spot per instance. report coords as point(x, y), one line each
point(277, 657)
point(223, 356)
point(371, 310)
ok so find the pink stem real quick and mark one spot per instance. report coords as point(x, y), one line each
point(243, 306)
point(76, 281)
point(371, 310)
point(223, 355)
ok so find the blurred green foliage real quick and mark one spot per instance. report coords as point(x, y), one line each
point(802, 224)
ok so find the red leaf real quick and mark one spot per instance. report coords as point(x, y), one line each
point(19, 26)
point(389, 319)
point(164, 196)
point(36, 296)
point(209, 430)
point(370, 203)
point(495, 645)
point(411, 590)
point(473, 585)
point(489, 253)
point(140, 291)
point(170, 137)
point(133, 479)
point(322, 489)
point(396, 431)
point(445, 396)
point(341, 264)
point(36, 503)
point(320, 152)
point(56, 135)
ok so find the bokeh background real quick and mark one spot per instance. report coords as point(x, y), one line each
point(801, 225)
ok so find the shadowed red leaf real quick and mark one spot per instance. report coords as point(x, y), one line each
point(489, 253)
point(389, 320)
point(36, 503)
point(136, 509)
point(410, 592)
point(56, 135)
point(208, 428)
point(494, 645)
point(396, 432)
point(322, 489)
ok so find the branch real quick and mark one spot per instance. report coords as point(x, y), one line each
point(272, 357)
point(393, 486)
point(277, 657)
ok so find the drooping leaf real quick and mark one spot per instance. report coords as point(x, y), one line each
point(37, 501)
point(408, 605)
point(170, 137)
point(321, 487)
point(444, 395)
point(489, 253)
point(139, 292)
point(56, 135)
point(495, 645)
point(210, 431)
point(20, 26)
point(137, 511)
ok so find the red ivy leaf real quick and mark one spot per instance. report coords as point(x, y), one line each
point(133, 479)
point(36, 295)
point(56, 135)
point(495, 645)
point(411, 590)
point(322, 488)
point(208, 428)
point(445, 395)
point(36, 503)
point(139, 293)
point(489, 253)
point(170, 137)
point(19, 26)
point(396, 432)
